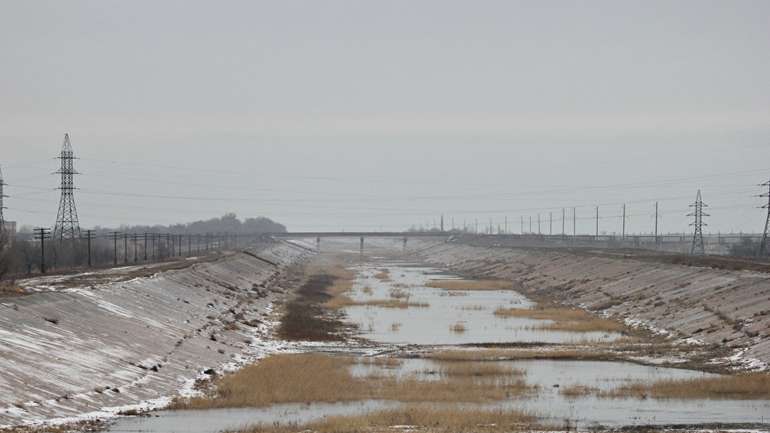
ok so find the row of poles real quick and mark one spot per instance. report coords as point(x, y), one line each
point(698, 214)
point(146, 246)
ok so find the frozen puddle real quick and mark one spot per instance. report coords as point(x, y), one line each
point(431, 325)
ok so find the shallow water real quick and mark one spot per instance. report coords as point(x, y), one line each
point(474, 309)
point(550, 376)
point(216, 420)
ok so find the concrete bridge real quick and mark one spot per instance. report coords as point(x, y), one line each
point(361, 235)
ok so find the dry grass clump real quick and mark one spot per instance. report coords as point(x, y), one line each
point(478, 370)
point(472, 308)
point(394, 303)
point(367, 290)
point(457, 328)
point(470, 284)
point(343, 301)
point(564, 319)
point(577, 391)
point(383, 275)
point(517, 354)
point(395, 326)
point(381, 361)
point(742, 386)
point(303, 378)
point(439, 419)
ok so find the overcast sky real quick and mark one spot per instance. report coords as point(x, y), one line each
point(329, 115)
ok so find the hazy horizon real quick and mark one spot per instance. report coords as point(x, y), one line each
point(383, 115)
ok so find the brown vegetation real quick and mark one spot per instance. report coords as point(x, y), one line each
point(517, 354)
point(470, 284)
point(383, 275)
point(304, 317)
point(742, 386)
point(300, 378)
point(564, 319)
point(478, 369)
point(577, 391)
point(439, 419)
point(457, 328)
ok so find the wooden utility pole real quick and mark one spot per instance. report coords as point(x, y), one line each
point(88, 236)
point(42, 234)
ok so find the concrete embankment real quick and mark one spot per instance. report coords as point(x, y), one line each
point(69, 351)
point(725, 308)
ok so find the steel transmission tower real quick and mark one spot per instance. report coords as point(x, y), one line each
point(698, 247)
point(2, 218)
point(762, 246)
point(67, 225)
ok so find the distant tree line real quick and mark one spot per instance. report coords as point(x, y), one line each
point(22, 255)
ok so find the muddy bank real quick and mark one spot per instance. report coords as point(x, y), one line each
point(73, 349)
point(728, 310)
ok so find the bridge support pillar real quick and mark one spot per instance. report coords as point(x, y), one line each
point(405, 239)
point(318, 243)
point(362, 244)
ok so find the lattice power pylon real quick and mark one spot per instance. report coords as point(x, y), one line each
point(698, 248)
point(763, 247)
point(67, 225)
point(2, 196)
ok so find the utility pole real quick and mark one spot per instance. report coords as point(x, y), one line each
point(597, 223)
point(763, 247)
point(656, 224)
point(42, 234)
point(145, 246)
point(189, 245)
point(550, 223)
point(89, 235)
point(563, 218)
point(574, 223)
point(623, 231)
point(698, 247)
point(125, 248)
point(114, 236)
point(67, 225)
point(538, 224)
point(136, 248)
point(530, 224)
point(506, 225)
point(442, 223)
point(522, 226)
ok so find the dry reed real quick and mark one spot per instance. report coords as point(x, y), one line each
point(470, 284)
point(301, 378)
point(564, 319)
point(741, 386)
point(422, 417)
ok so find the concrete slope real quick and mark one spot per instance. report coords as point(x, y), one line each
point(79, 350)
point(711, 306)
